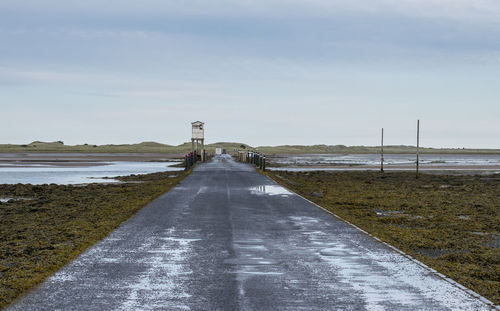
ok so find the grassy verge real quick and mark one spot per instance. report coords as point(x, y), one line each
point(49, 225)
point(451, 223)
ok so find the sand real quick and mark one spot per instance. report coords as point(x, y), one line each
point(80, 159)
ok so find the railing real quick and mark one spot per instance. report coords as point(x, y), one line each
point(253, 157)
point(190, 159)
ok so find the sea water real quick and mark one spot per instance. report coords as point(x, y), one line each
point(392, 159)
point(48, 174)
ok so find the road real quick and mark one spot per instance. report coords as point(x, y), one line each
point(229, 238)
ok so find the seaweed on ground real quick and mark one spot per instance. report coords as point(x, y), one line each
point(49, 225)
point(451, 223)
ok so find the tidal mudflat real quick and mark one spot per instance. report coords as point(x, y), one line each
point(43, 227)
point(80, 168)
point(466, 163)
point(449, 222)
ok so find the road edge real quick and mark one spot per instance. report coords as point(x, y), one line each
point(468, 291)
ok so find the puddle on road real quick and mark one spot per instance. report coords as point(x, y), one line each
point(250, 261)
point(333, 252)
point(271, 190)
point(260, 273)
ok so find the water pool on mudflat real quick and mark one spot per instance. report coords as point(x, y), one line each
point(80, 175)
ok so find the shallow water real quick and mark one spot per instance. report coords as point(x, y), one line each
point(438, 171)
point(80, 175)
point(426, 160)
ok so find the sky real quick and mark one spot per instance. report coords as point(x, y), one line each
point(268, 72)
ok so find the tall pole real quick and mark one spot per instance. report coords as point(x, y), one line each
point(418, 143)
point(382, 152)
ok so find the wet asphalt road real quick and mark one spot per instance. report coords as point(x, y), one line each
point(228, 238)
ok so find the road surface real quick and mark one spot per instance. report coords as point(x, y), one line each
point(228, 238)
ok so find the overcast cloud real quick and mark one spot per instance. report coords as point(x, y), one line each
point(259, 72)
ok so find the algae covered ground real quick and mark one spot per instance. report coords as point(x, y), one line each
point(451, 223)
point(45, 226)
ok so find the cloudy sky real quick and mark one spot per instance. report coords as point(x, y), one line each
point(260, 72)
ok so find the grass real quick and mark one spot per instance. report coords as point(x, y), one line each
point(53, 224)
point(154, 147)
point(144, 147)
point(451, 223)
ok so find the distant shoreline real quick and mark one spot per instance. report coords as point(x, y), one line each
point(154, 148)
point(79, 159)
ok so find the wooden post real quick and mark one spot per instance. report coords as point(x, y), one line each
point(382, 152)
point(192, 144)
point(203, 150)
point(418, 145)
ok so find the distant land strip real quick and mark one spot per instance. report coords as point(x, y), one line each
point(154, 147)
